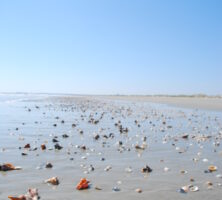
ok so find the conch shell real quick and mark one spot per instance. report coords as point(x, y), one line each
point(53, 181)
point(8, 167)
point(32, 194)
point(83, 184)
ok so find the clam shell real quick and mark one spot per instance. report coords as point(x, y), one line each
point(212, 168)
point(194, 189)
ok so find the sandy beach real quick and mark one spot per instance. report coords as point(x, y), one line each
point(110, 100)
point(110, 140)
point(205, 103)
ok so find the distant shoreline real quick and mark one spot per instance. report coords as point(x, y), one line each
point(196, 101)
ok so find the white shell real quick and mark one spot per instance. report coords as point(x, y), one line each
point(194, 189)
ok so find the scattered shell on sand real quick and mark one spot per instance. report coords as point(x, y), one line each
point(138, 190)
point(53, 181)
point(98, 188)
point(188, 188)
point(212, 168)
point(209, 183)
point(219, 176)
point(83, 184)
point(205, 160)
point(43, 147)
point(146, 169)
point(48, 165)
point(9, 167)
point(138, 147)
point(166, 169)
point(32, 194)
point(183, 172)
point(27, 146)
point(58, 147)
point(129, 170)
point(116, 189)
point(184, 189)
point(194, 189)
point(108, 168)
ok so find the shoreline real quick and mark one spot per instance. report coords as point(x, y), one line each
point(203, 102)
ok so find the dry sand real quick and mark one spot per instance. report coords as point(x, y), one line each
point(205, 103)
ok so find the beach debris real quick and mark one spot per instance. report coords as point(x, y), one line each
point(186, 136)
point(138, 190)
point(129, 170)
point(194, 189)
point(183, 171)
point(166, 169)
point(184, 189)
point(212, 168)
point(219, 176)
point(119, 182)
point(65, 136)
point(83, 147)
point(188, 188)
point(108, 168)
point(195, 159)
point(43, 146)
point(53, 181)
point(48, 165)
point(91, 168)
point(102, 159)
point(83, 184)
point(32, 194)
point(27, 146)
point(146, 169)
point(84, 157)
point(9, 167)
point(192, 179)
point(98, 188)
point(54, 140)
point(96, 137)
point(58, 147)
point(205, 160)
point(138, 147)
point(209, 183)
point(116, 189)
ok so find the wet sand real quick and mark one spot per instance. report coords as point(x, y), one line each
point(132, 133)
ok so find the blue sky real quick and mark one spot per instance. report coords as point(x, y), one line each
point(111, 46)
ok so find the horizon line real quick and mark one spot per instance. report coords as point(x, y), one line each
point(148, 95)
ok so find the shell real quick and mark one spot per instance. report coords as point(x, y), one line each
point(53, 181)
point(32, 194)
point(166, 169)
point(138, 190)
point(184, 189)
point(83, 184)
point(116, 189)
point(194, 189)
point(9, 167)
point(212, 168)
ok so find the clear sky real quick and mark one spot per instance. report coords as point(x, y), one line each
point(111, 46)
